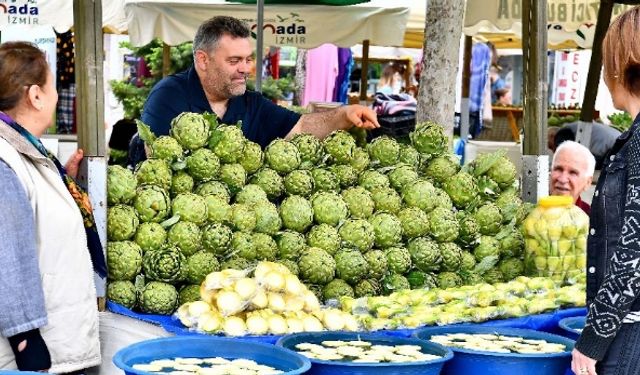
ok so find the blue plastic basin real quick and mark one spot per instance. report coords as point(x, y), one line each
point(205, 347)
point(572, 327)
point(320, 367)
point(487, 363)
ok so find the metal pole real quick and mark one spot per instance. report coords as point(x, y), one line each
point(535, 173)
point(466, 81)
point(87, 16)
point(259, 45)
point(364, 72)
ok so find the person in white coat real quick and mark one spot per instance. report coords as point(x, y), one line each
point(48, 240)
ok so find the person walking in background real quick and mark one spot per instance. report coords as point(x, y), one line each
point(387, 83)
point(48, 237)
point(610, 341)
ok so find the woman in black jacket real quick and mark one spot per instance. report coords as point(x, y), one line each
point(610, 341)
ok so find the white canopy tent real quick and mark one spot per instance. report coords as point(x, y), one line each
point(58, 14)
point(304, 26)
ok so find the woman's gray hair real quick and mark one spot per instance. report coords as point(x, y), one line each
point(575, 147)
point(211, 30)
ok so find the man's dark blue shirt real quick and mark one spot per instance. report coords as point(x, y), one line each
point(262, 120)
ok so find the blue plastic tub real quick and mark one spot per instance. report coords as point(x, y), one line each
point(320, 367)
point(203, 347)
point(572, 327)
point(486, 363)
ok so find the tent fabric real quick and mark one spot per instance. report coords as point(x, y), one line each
point(59, 14)
point(304, 26)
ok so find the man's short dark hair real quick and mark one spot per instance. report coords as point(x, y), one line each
point(211, 30)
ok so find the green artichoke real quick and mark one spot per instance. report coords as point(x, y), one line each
point(377, 264)
point(503, 172)
point(186, 236)
point(264, 246)
point(357, 233)
point(122, 292)
point(243, 217)
point(124, 260)
point(415, 223)
point(340, 146)
point(163, 265)
point(367, 288)
point(282, 156)
point(299, 182)
point(150, 236)
point(402, 175)
point(191, 130)
point(408, 155)
point(159, 298)
point(216, 238)
point(443, 225)
point(441, 168)
point(189, 293)
point(296, 213)
point(387, 199)
point(360, 160)
point(190, 207)
point(310, 148)
point(387, 229)
point(448, 280)
point(398, 259)
point(329, 208)
point(270, 181)
point(122, 222)
point(228, 143)
point(359, 201)
point(214, 188)
point(425, 254)
point(181, 182)
point(218, 210)
point(451, 256)
point(347, 175)
point(234, 176)
point(152, 203)
point(325, 237)
point(373, 180)
point(198, 266)
point(166, 148)
point(384, 151)
point(429, 138)
point(317, 266)
point(252, 157)
point(335, 289)
point(393, 283)
point(242, 245)
point(290, 245)
point(487, 247)
point(154, 172)
point(121, 185)
point(268, 219)
point(420, 194)
point(462, 189)
point(251, 194)
point(203, 165)
point(325, 180)
point(489, 218)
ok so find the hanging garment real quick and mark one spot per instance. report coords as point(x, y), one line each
point(480, 62)
point(322, 70)
point(345, 64)
point(65, 110)
point(301, 75)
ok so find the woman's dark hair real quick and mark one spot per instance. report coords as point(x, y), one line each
point(22, 64)
point(621, 53)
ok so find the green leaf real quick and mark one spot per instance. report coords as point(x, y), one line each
point(486, 264)
point(145, 133)
point(170, 221)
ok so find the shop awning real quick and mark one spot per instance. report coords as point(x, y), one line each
point(305, 26)
point(59, 14)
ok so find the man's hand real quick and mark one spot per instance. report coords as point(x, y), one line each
point(581, 364)
point(73, 164)
point(361, 116)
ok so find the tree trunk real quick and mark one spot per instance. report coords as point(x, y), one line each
point(441, 50)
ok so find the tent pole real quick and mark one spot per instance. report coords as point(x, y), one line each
point(466, 82)
point(535, 174)
point(259, 45)
point(166, 59)
point(364, 75)
point(90, 114)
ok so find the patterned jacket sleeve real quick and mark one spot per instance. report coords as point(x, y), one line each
point(621, 285)
point(22, 306)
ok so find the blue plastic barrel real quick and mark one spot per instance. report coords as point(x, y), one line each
point(490, 363)
point(320, 367)
point(206, 347)
point(572, 327)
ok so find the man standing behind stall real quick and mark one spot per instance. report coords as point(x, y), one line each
point(572, 172)
point(223, 57)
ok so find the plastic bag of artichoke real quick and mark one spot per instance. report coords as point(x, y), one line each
point(556, 239)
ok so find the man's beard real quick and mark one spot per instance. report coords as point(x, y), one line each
point(227, 89)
